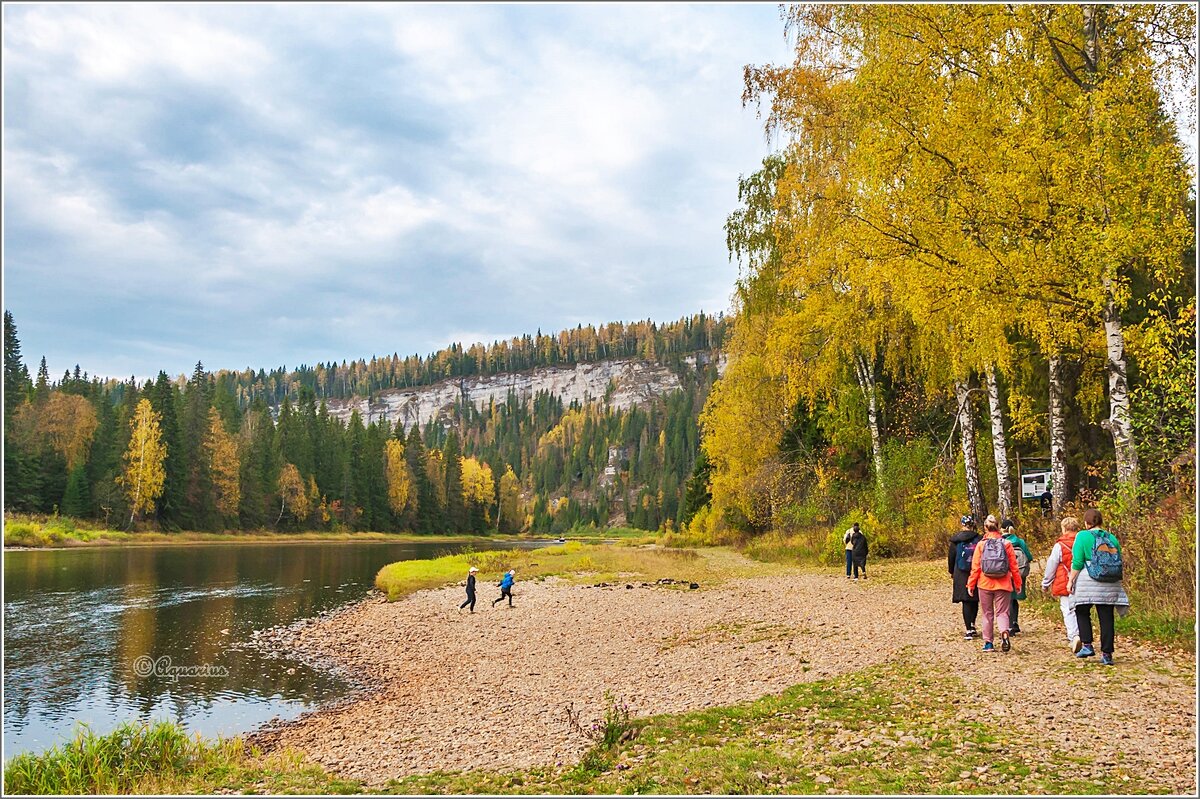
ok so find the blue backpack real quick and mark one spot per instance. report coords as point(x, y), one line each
point(1105, 564)
point(966, 551)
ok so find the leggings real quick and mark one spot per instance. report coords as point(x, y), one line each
point(470, 600)
point(970, 612)
point(1083, 614)
point(1012, 615)
point(504, 592)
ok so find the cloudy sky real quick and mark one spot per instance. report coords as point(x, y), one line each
point(255, 185)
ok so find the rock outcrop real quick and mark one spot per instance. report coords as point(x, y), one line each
point(620, 383)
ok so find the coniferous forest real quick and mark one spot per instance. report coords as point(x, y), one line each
point(259, 449)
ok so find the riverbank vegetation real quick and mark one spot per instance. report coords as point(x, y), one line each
point(42, 532)
point(161, 758)
point(581, 563)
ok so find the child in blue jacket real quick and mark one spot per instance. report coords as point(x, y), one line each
point(506, 588)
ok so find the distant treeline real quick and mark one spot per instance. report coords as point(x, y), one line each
point(215, 452)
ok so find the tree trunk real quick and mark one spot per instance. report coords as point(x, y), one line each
point(1004, 495)
point(137, 493)
point(1058, 439)
point(966, 431)
point(1119, 421)
point(866, 382)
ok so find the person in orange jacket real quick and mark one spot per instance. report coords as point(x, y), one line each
point(995, 575)
point(1058, 575)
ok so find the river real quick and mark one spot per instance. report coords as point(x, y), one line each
point(107, 634)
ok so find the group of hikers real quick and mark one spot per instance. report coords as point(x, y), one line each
point(1083, 570)
point(505, 585)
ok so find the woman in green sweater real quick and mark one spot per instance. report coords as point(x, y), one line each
point(1107, 595)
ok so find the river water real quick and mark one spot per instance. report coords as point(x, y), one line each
point(104, 635)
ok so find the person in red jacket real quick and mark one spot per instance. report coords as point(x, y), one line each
point(995, 575)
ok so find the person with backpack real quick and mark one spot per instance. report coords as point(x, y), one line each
point(1024, 558)
point(1096, 573)
point(506, 585)
point(849, 547)
point(994, 574)
point(470, 600)
point(858, 542)
point(958, 562)
point(1058, 575)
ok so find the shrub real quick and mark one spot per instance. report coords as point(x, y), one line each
point(114, 763)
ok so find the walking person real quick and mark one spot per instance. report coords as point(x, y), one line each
point(1096, 573)
point(858, 544)
point(849, 547)
point(958, 562)
point(506, 585)
point(470, 590)
point(1024, 558)
point(995, 576)
point(1058, 577)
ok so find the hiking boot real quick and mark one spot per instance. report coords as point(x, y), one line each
point(1005, 644)
point(1076, 644)
point(1015, 630)
point(987, 647)
point(1085, 651)
point(1105, 659)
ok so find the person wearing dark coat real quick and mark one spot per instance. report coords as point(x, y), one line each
point(858, 551)
point(470, 600)
point(958, 562)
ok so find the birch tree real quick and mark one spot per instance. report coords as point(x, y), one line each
point(143, 474)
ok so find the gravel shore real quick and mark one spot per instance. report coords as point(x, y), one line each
point(446, 690)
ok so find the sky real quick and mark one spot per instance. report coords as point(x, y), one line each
point(271, 185)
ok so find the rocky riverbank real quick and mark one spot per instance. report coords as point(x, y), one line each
point(446, 690)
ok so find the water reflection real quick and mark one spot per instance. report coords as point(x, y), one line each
point(76, 621)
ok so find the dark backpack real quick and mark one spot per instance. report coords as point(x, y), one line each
point(1105, 564)
point(994, 560)
point(966, 551)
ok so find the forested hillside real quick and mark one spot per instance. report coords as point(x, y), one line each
point(258, 449)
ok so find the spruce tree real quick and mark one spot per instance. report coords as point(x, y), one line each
point(16, 376)
point(76, 500)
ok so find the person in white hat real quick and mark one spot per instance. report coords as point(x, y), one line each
point(470, 590)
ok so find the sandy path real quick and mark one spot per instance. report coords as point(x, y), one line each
point(459, 692)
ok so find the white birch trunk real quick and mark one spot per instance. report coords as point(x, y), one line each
point(1004, 495)
point(966, 432)
point(866, 382)
point(1119, 422)
point(1058, 439)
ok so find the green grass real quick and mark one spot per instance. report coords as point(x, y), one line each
point(161, 758)
point(890, 729)
point(51, 532)
point(574, 561)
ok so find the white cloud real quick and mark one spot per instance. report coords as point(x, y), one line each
point(286, 184)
